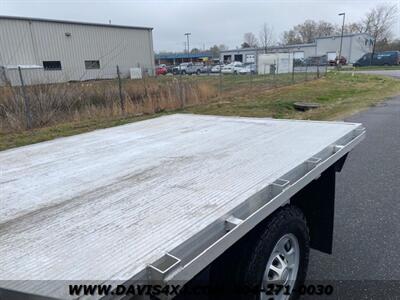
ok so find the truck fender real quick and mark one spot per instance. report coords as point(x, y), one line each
point(317, 202)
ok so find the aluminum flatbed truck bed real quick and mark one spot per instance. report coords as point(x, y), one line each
point(153, 200)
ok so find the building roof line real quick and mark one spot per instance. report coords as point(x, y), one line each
point(72, 22)
point(298, 45)
point(271, 47)
point(182, 55)
point(344, 35)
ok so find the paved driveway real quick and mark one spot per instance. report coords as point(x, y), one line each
point(366, 259)
point(391, 73)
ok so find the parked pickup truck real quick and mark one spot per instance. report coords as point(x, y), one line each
point(158, 201)
point(195, 68)
point(181, 69)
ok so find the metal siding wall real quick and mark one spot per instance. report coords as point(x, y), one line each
point(308, 51)
point(111, 45)
point(332, 45)
point(15, 43)
point(151, 53)
point(358, 47)
point(352, 49)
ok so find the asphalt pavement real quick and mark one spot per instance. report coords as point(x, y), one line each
point(366, 257)
point(391, 73)
point(365, 263)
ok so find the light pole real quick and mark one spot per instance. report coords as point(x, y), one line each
point(187, 37)
point(341, 39)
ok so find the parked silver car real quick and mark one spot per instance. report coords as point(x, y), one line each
point(248, 69)
point(232, 68)
point(217, 68)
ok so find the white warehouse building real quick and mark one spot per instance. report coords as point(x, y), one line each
point(354, 46)
point(61, 51)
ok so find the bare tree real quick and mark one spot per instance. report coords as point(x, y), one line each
point(388, 45)
point(291, 37)
point(195, 50)
point(355, 27)
point(249, 39)
point(215, 50)
point(378, 23)
point(223, 47)
point(326, 29)
point(266, 36)
point(307, 31)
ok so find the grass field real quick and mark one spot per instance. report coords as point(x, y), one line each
point(339, 94)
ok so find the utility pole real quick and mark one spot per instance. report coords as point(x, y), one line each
point(341, 39)
point(188, 45)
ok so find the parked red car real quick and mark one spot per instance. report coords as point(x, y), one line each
point(161, 70)
point(343, 61)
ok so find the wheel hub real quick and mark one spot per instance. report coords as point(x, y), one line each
point(282, 266)
point(285, 276)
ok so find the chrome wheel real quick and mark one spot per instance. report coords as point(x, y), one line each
point(282, 268)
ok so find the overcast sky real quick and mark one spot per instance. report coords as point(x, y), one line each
point(210, 22)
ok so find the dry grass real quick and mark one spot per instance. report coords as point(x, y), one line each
point(53, 104)
point(68, 109)
point(338, 94)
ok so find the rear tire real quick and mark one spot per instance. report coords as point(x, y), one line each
point(248, 263)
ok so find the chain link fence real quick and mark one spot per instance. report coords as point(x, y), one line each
point(32, 97)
